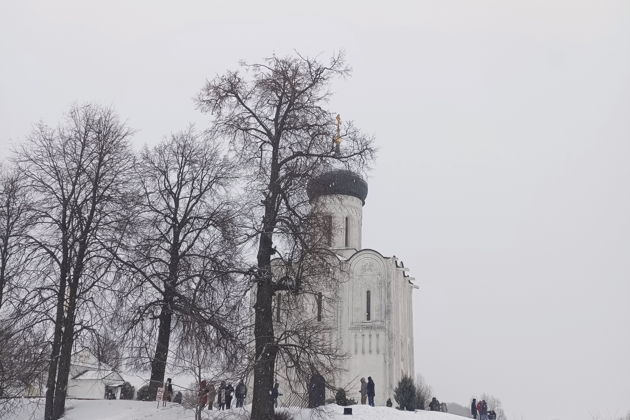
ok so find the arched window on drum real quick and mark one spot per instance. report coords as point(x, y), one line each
point(319, 306)
point(368, 306)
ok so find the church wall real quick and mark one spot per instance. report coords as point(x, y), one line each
point(367, 340)
point(381, 347)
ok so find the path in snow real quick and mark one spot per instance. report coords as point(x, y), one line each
point(139, 410)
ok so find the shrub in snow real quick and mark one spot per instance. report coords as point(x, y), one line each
point(190, 397)
point(126, 391)
point(405, 394)
point(340, 397)
point(423, 393)
point(143, 393)
point(178, 398)
point(282, 415)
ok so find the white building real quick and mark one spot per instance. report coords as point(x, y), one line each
point(370, 314)
point(374, 314)
point(90, 379)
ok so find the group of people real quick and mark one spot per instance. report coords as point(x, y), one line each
point(367, 391)
point(436, 405)
point(481, 408)
point(224, 395)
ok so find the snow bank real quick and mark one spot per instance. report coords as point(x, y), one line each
point(138, 410)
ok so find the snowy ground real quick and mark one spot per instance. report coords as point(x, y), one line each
point(137, 410)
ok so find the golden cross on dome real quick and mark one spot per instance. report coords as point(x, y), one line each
point(338, 137)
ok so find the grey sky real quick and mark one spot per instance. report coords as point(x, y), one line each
point(502, 179)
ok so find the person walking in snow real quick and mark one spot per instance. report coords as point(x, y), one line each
point(202, 394)
point(363, 391)
point(389, 402)
point(229, 391)
point(275, 393)
point(482, 409)
point(168, 392)
point(370, 391)
point(240, 393)
point(434, 405)
point(221, 396)
point(473, 408)
point(212, 392)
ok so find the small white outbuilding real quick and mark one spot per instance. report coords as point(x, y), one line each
point(90, 379)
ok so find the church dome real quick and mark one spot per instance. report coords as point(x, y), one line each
point(339, 181)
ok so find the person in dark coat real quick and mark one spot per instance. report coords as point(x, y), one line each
point(212, 392)
point(202, 394)
point(221, 396)
point(229, 392)
point(275, 393)
point(482, 409)
point(363, 391)
point(168, 392)
point(434, 405)
point(240, 393)
point(370, 391)
point(389, 402)
point(473, 408)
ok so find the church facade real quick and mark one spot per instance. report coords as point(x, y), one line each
point(373, 318)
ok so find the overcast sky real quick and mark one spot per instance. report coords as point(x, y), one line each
point(503, 175)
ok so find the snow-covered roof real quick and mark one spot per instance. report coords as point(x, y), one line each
point(98, 374)
point(137, 380)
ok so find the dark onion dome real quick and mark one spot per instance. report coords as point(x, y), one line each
point(339, 181)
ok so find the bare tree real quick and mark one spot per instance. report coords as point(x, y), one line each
point(77, 175)
point(274, 115)
point(494, 404)
point(15, 221)
point(23, 356)
point(198, 354)
point(106, 348)
point(22, 353)
point(423, 393)
point(180, 247)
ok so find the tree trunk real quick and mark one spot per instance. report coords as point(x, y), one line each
point(264, 366)
point(262, 404)
point(51, 382)
point(65, 358)
point(158, 363)
point(3, 264)
point(54, 359)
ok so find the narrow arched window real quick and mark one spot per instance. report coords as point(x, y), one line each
point(278, 300)
point(347, 240)
point(368, 304)
point(319, 306)
point(327, 228)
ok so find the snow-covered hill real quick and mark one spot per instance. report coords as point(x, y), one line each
point(137, 410)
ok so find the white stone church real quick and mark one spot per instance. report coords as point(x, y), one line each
point(373, 318)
